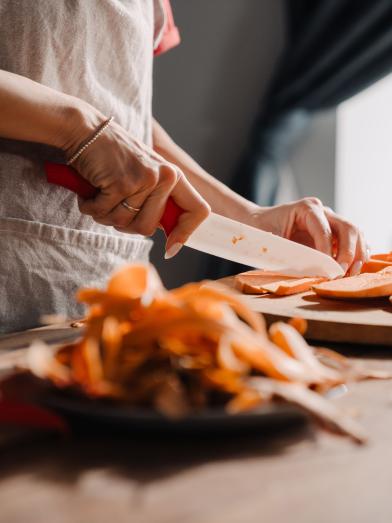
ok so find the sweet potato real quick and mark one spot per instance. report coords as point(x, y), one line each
point(366, 285)
point(386, 256)
point(285, 288)
point(252, 282)
point(262, 282)
point(197, 346)
point(375, 265)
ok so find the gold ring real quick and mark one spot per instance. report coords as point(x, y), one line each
point(133, 210)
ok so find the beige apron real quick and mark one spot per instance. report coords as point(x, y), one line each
point(100, 51)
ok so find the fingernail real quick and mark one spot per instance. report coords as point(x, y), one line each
point(356, 268)
point(367, 254)
point(344, 266)
point(173, 250)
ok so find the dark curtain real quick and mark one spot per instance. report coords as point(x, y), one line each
point(333, 50)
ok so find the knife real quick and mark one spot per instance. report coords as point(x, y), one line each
point(223, 237)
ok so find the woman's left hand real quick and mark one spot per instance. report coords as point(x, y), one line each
point(308, 222)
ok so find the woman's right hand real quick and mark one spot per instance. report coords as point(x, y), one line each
point(120, 166)
point(124, 169)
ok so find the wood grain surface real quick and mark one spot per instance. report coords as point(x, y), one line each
point(365, 321)
point(295, 474)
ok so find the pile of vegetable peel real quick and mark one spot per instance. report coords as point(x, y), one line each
point(195, 347)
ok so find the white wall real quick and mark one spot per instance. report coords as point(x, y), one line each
point(208, 90)
point(364, 162)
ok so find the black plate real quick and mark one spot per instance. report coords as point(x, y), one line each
point(209, 420)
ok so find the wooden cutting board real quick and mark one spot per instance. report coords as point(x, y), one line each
point(360, 321)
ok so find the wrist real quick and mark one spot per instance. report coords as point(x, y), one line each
point(249, 213)
point(79, 120)
point(267, 219)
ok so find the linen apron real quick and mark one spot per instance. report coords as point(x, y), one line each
point(100, 51)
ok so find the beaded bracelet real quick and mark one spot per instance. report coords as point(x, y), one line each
point(97, 133)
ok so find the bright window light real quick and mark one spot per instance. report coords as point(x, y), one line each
point(364, 163)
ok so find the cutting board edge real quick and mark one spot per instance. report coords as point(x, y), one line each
point(321, 331)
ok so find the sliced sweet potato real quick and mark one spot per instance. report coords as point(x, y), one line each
point(252, 282)
point(375, 265)
point(285, 288)
point(366, 285)
point(386, 256)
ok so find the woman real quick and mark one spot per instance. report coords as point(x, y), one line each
point(76, 76)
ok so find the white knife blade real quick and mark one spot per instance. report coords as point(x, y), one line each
point(235, 241)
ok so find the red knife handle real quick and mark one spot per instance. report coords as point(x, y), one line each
point(68, 177)
point(60, 174)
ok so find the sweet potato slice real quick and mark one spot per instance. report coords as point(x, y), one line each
point(285, 288)
point(386, 256)
point(263, 282)
point(252, 282)
point(366, 285)
point(375, 265)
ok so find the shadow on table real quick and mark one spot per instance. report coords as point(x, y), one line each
point(142, 457)
point(317, 303)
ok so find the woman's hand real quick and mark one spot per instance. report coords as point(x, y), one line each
point(120, 166)
point(124, 169)
point(307, 221)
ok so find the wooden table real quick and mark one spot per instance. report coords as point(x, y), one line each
point(299, 474)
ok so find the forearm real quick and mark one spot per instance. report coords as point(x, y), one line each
point(34, 112)
point(221, 198)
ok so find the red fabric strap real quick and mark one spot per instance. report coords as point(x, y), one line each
point(171, 35)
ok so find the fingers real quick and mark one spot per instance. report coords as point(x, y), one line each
point(347, 238)
point(102, 204)
point(332, 235)
point(120, 217)
point(317, 225)
point(351, 246)
point(120, 168)
point(172, 182)
point(146, 221)
point(125, 169)
point(135, 183)
point(361, 255)
point(196, 209)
